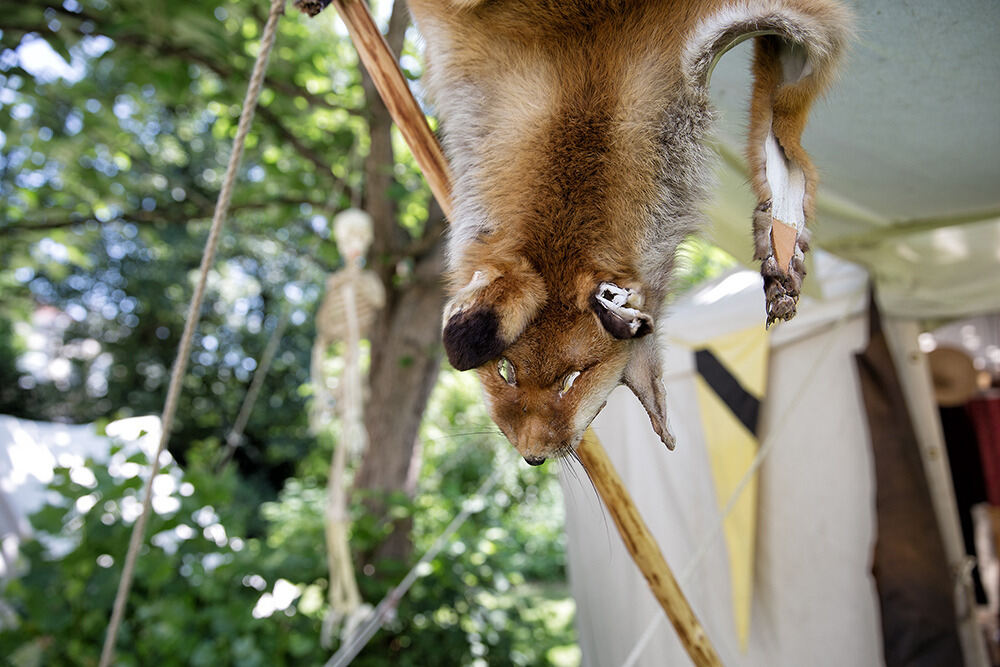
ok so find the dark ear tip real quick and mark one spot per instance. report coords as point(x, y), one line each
point(472, 338)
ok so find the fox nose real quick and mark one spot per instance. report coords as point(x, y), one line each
point(534, 460)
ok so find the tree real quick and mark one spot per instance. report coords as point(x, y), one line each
point(406, 352)
point(111, 162)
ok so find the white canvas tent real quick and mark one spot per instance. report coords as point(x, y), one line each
point(30, 451)
point(908, 145)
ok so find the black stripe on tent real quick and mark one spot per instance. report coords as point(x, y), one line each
point(744, 405)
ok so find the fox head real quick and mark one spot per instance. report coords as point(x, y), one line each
point(547, 362)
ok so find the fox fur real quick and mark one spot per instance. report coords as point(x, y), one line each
point(575, 134)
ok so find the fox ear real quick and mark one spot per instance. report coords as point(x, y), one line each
point(643, 375)
point(618, 310)
point(490, 312)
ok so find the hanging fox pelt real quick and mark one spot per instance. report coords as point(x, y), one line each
point(575, 134)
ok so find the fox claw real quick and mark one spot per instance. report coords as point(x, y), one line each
point(781, 286)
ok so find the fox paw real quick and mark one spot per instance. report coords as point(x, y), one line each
point(783, 274)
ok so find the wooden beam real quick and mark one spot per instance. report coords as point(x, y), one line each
point(381, 64)
point(389, 80)
point(645, 551)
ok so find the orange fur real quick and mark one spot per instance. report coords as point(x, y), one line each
point(575, 129)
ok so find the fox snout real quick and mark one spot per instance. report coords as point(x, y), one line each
point(537, 440)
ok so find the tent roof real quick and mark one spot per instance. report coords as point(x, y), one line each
point(908, 147)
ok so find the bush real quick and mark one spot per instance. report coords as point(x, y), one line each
point(207, 592)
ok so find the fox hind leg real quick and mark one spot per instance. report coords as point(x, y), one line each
point(783, 175)
point(781, 285)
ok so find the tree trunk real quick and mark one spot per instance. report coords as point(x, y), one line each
point(406, 355)
point(405, 338)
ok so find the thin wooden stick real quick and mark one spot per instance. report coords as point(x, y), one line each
point(391, 85)
point(381, 65)
point(645, 551)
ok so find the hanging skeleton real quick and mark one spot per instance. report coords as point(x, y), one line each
point(353, 296)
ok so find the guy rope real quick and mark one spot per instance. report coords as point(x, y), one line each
point(194, 312)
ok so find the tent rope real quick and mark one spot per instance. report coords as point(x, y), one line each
point(716, 530)
point(191, 322)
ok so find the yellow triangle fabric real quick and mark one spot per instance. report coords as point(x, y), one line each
point(731, 450)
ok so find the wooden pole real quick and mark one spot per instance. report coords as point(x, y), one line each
point(645, 551)
point(389, 80)
point(391, 85)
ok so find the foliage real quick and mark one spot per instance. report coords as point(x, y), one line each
point(109, 167)
point(699, 261)
point(111, 153)
point(207, 593)
point(194, 590)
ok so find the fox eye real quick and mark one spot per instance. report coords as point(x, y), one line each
point(506, 371)
point(568, 381)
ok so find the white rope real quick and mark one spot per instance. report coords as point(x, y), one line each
point(193, 315)
point(350, 649)
point(717, 528)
